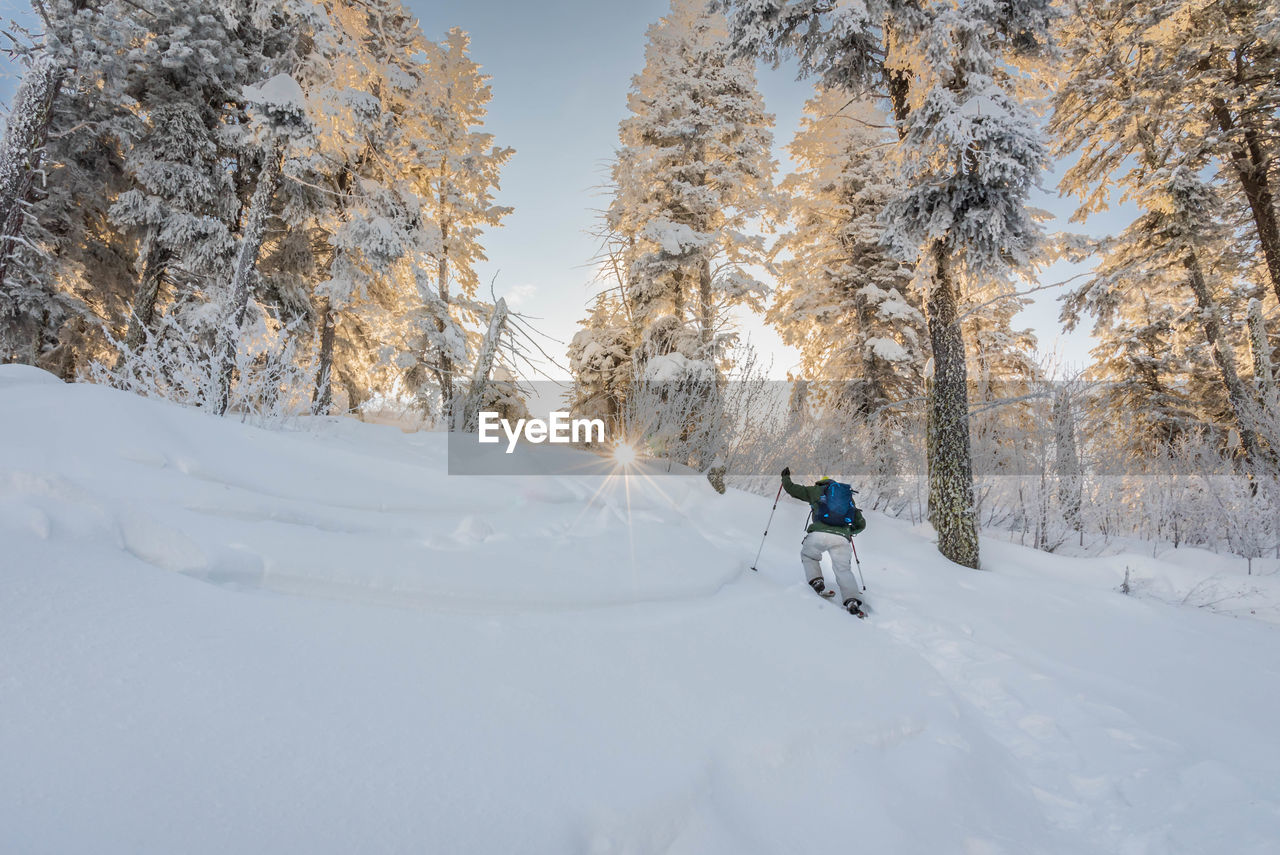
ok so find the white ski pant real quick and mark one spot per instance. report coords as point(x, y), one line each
point(841, 551)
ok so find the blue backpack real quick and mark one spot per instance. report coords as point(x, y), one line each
point(835, 505)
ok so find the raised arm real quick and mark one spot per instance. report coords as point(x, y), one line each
point(792, 488)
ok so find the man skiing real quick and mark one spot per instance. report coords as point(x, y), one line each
point(831, 531)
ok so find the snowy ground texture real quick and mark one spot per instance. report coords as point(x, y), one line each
point(215, 638)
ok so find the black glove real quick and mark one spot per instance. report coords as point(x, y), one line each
point(786, 473)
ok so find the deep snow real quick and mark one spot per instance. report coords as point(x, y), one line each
point(216, 638)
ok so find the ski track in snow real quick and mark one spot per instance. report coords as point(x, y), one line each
point(215, 638)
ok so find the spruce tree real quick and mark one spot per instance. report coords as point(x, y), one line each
point(63, 267)
point(692, 175)
point(461, 168)
point(842, 298)
point(1122, 108)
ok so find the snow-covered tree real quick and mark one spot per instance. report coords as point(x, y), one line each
point(1219, 66)
point(969, 155)
point(601, 358)
point(277, 165)
point(842, 298)
point(370, 235)
point(182, 205)
point(22, 149)
point(60, 167)
point(1264, 371)
point(279, 114)
point(1121, 109)
point(461, 171)
point(692, 176)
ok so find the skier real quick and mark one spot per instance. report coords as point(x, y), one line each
point(831, 534)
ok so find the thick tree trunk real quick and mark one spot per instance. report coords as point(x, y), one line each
point(484, 366)
point(1223, 358)
point(322, 398)
point(22, 149)
point(951, 500)
point(1250, 162)
point(255, 230)
point(899, 84)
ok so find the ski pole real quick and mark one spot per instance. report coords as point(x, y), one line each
point(861, 578)
point(766, 529)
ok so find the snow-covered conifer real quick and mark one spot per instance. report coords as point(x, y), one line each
point(183, 203)
point(62, 266)
point(278, 110)
point(461, 168)
point(1125, 118)
point(601, 358)
point(1218, 64)
point(692, 175)
point(842, 299)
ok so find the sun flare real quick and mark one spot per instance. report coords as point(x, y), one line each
point(624, 454)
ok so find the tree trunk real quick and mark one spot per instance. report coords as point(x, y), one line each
point(356, 394)
point(1250, 162)
point(1223, 358)
point(22, 149)
point(255, 230)
point(322, 398)
point(1264, 378)
point(144, 298)
point(445, 367)
point(951, 501)
point(899, 85)
point(706, 308)
point(484, 365)
point(1068, 458)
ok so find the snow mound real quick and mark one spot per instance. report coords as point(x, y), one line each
point(25, 375)
point(215, 638)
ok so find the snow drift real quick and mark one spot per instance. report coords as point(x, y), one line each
point(216, 638)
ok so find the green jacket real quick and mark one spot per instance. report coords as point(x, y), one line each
point(811, 495)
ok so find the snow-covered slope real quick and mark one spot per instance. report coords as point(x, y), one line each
point(215, 638)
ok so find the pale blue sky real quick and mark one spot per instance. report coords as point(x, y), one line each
point(560, 72)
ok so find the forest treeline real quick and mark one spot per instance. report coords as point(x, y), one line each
point(280, 205)
point(898, 253)
point(223, 203)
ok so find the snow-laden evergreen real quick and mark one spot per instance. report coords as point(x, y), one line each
point(461, 168)
point(1203, 73)
point(842, 298)
point(1170, 294)
point(693, 176)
